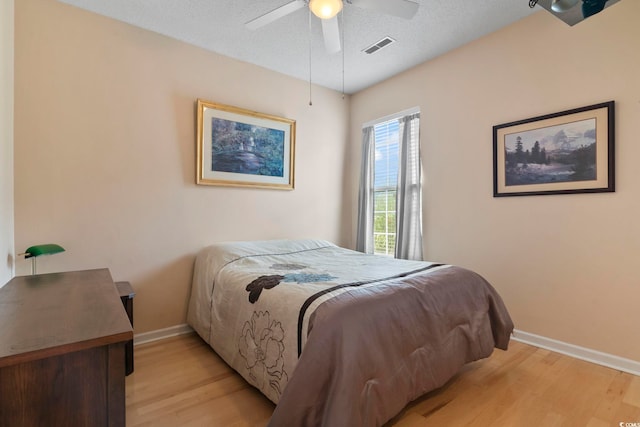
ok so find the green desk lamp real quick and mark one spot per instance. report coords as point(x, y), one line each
point(35, 251)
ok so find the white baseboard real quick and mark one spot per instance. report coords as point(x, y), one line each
point(582, 353)
point(160, 334)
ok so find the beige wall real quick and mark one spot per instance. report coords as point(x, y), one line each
point(104, 162)
point(105, 154)
point(565, 265)
point(6, 141)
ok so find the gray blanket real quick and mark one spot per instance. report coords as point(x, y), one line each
point(369, 353)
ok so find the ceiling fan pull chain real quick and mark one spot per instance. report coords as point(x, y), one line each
point(310, 103)
point(344, 47)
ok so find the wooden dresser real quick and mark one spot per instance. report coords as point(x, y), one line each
point(62, 350)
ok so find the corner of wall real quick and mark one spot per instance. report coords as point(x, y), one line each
point(7, 252)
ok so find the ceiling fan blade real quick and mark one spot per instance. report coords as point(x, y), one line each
point(401, 8)
point(331, 33)
point(275, 14)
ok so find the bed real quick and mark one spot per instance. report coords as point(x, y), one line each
point(335, 337)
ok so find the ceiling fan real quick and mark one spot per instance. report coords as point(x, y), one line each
point(327, 11)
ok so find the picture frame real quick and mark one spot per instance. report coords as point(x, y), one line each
point(243, 148)
point(562, 153)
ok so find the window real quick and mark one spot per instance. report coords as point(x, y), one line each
point(390, 193)
point(385, 187)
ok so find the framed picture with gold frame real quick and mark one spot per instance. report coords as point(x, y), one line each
point(243, 148)
point(562, 153)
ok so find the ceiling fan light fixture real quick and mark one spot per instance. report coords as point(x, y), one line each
point(325, 9)
point(563, 5)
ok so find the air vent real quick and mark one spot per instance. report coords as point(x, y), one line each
point(379, 45)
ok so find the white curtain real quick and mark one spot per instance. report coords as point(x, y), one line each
point(364, 236)
point(409, 196)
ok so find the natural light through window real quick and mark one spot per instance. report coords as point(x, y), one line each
point(385, 187)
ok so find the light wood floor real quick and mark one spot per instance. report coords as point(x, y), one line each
point(181, 382)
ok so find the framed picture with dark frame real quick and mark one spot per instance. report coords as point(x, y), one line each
point(562, 153)
point(243, 148)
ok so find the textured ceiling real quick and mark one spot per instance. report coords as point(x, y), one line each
point(284, 46)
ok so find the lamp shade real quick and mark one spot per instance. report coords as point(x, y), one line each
point(325, 9)
point(46, 249)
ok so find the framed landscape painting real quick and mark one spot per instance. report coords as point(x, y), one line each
point(562, 153)
point(242, 148)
